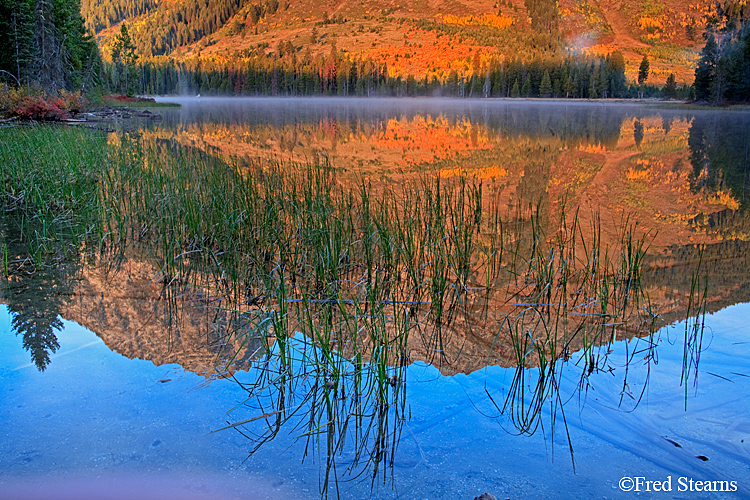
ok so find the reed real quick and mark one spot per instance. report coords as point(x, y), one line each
point(695, 318)
point(6, 260)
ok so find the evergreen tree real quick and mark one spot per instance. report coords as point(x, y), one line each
point(569, 87)
point(515, 91)
point(670, 88)
point(16, 32)
point(557, 88)
point(737, 55)
point(615, 63)
point(643, 71)
point(124, 58)
point(705, 72)
point(44, 42)
point(592, 89)
point(526, 87)
point(545, 88)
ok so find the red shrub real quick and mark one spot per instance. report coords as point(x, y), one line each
point(37, 108)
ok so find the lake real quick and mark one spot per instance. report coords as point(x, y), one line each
point(388, 298)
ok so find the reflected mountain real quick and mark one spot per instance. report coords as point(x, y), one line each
point(677, 178)
point(585, 225)
point(127, 304)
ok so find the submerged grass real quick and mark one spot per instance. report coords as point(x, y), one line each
point(371, 276)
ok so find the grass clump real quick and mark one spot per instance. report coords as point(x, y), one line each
point(52, 183)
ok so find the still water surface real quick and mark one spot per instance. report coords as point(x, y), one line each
point(130, 391)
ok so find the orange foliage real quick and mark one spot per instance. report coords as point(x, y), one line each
point(431, 55)
point(592, 148)
point(638, 175)
point(492, 172)
point(724, 198)
point(429, 138)
point(491, 20)
point(650, 23)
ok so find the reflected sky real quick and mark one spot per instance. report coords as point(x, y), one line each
point(95, 412)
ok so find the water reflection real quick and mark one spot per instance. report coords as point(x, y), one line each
point(613, 222)
point(608, 159)
point(36, 304)
point(720, 156)
point(36, 316)
point(380, 136)
point(126, 300)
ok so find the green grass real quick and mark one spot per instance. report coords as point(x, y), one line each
point(355, 267)
point(138, 104)
point(52, 182)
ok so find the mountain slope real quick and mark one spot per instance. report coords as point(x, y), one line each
point(425, 38)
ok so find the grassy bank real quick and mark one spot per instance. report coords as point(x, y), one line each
point(52, 178)
point(121, 101)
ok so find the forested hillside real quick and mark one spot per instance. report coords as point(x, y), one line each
point(103, 14)
point(723, 73)
point(424, 39)
point(161, 27)
point(524, 48)
point(44, 43)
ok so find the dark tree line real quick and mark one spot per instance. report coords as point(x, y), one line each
point(285, 72)
point(44, 43)
point(723, 72)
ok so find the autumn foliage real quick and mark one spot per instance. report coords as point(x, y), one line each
point(33, 105)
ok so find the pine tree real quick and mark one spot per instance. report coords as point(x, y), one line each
point(643, 71)
point(124, 57)
point(16, 31)
point(705, 73)
point(570, 87)
point(592, 89)
point(616, 69)
point(45, 42)
point(526, 88)
point(670, 88)
point(515, 91)
point(545, 88)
